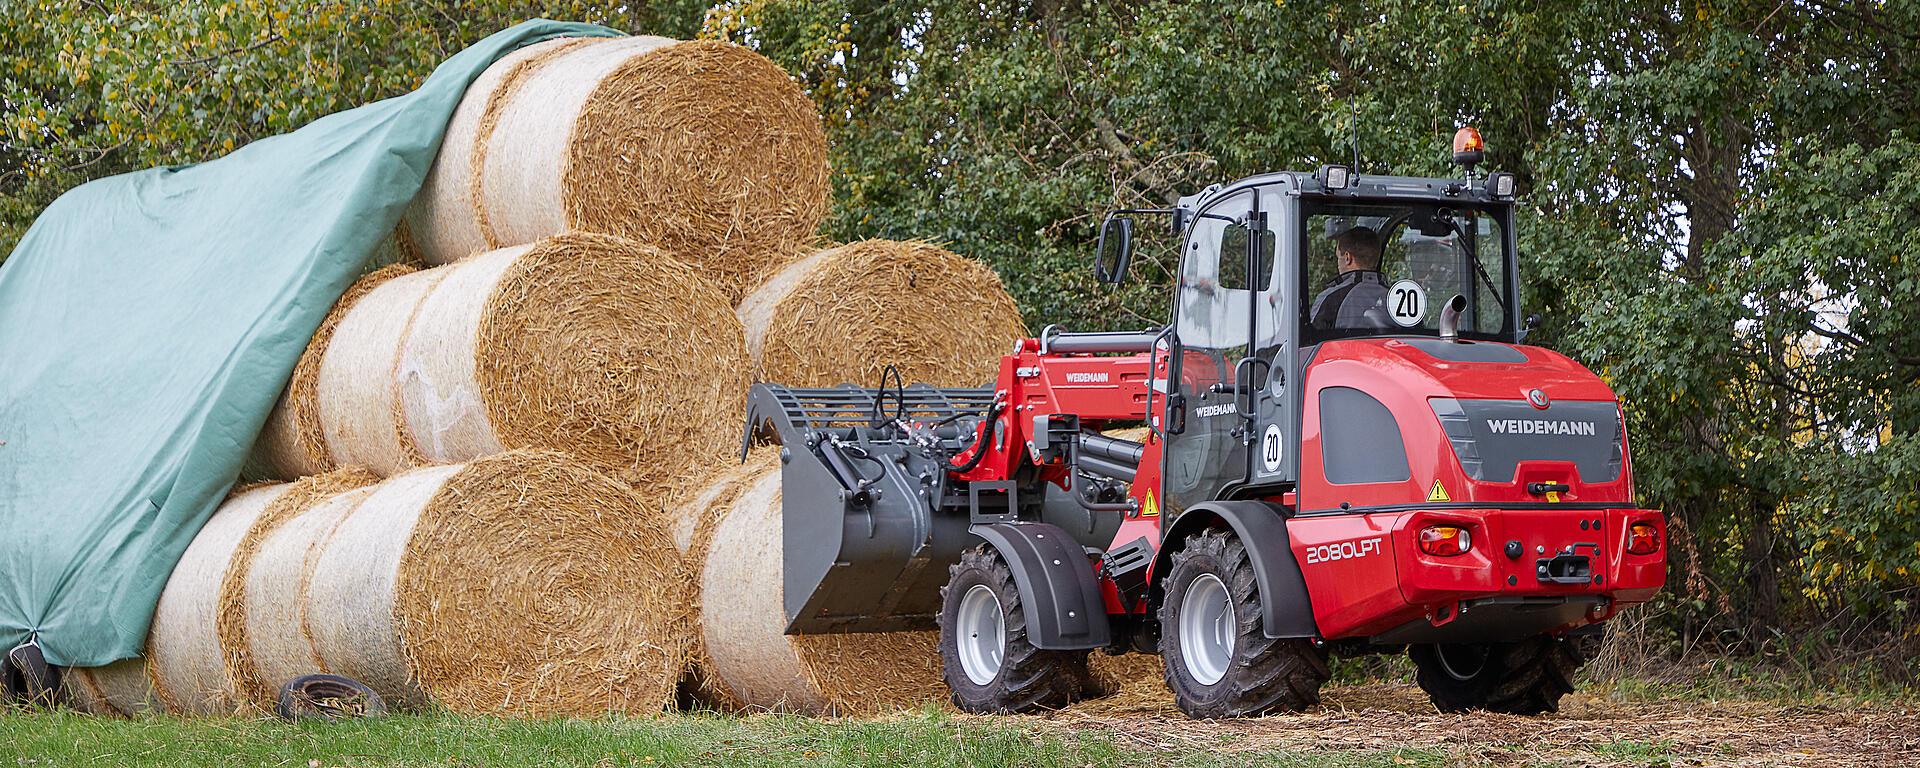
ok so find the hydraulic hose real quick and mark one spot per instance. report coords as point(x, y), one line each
point(979, 442)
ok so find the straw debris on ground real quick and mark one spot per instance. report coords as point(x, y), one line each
point(1590, 729)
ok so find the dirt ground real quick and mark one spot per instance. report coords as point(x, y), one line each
point(1589, 730)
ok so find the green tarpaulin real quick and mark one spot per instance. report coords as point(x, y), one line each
point(148, 322)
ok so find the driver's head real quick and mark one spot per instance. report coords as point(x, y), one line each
point(1358, 249)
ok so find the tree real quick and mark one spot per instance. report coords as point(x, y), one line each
point(1720, 197)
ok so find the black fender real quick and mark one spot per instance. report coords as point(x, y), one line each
point(1286, 609)
point(1065, 610)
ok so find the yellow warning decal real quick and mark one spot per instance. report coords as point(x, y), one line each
point(1439, 492)
point(1151, 510)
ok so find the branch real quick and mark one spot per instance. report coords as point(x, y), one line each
point(273, 36)
point(1836, 335)
point(1109, 138)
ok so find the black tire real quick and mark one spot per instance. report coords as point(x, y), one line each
point(1264, 674)
point(1522, 678)
point(1029, 678)
point(27, 679)
point(327, 697)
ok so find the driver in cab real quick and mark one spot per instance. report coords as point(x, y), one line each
point(1357, 298)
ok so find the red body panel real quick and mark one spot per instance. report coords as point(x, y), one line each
point(1403, 378)
point(1366, 574)
point(1364, 571)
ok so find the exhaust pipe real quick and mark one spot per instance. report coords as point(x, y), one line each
point(1450, 318)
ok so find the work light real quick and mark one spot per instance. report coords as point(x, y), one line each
point(1501, 185)
point(1333, 177)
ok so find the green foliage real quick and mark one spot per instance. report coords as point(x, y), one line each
point(1720, 219)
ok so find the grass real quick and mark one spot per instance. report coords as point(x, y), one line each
point(928, 738)
point(1736, 678)
point(938, 737)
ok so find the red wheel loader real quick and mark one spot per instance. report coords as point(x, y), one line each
point(1349, 451)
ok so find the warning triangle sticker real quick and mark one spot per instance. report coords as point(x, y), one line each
point(1151, 510)
point(1439, 492)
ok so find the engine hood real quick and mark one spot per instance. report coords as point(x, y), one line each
point(1477, 370)
point(1478, 420)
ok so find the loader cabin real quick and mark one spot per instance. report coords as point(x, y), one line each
point(1273, 266)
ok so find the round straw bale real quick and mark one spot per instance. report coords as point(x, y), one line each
point(700, 504)
point(123, 688)
point(743, 623)
point(183, 647)
point(278, 634)
point(231, 618)
point(445, 225)
point(692, 517)
point(358, 408)
point(294, 444)
point(522, 584)
point(703, 148)
point(844, 314)
point(589, 344)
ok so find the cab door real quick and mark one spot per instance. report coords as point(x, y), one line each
point(1218, 367)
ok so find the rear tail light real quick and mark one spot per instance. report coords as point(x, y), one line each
point(1643, 539)
point(1445, 540)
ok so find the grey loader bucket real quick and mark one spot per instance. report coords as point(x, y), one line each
point(863, 476)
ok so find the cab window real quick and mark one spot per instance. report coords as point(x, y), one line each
point(1374, 269)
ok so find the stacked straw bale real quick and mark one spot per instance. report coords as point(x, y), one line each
point(523, 584)
point(842, 315)
point(703, 148)
point(122, 688)
point(695, 510)
point(593, 345)
point(752, 664)
point(294, 444)
point(186, 669)
point(231, 620)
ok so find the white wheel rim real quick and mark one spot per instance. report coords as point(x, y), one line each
point(982, 637)
point(1207, 629)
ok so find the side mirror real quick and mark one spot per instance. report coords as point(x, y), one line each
point(1114, 250)
point(1527, 326)
point(1176, 414)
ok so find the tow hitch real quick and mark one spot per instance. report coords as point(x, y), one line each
point(1565, 568)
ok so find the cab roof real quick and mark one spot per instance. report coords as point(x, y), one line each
point(1363, 186)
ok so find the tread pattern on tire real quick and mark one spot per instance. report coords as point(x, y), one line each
point(1266, 674)
point(1030, 678)
point(1521, 678)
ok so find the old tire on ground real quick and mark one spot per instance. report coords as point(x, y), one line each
point(1522, 678)
point(1219, 661)
point(981, 602)
point(327, 697)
